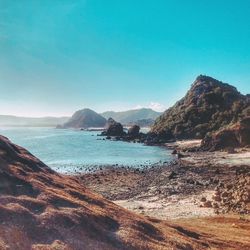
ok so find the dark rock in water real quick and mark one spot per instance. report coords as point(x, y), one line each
point(114, 129)
point(110, 121)
point(134, 131)
point(237, 135)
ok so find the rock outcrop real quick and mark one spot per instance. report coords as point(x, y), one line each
point(41, 209)
point(207, 107)
point(85, 118)
point(236, 135)
point(134, 131)
point(114, 129)
point(109, 122)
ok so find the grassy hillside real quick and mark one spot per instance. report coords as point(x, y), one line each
point(131, 116)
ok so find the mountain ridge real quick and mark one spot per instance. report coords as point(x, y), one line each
point(142, 117)
point(132, 116)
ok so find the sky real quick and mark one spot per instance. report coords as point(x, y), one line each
point(63, 55)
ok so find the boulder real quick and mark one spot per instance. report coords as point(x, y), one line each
point(109, 122)
point(134, 131)
point(237, 135)
point(221, 140)
point(114, 129)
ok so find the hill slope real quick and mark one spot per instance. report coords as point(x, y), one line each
point(41, 209)
point(85, 118)
point(207, 106)
point(132, 116)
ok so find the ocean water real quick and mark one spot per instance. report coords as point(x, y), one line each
point(69, 151)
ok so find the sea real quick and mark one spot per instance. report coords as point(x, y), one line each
point(74, 151)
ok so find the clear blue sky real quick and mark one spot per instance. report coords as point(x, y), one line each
point(57, 56)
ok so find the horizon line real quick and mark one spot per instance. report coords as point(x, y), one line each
point(69, 115)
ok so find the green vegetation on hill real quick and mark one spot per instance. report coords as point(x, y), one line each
point(132, 116)
point(208, 106)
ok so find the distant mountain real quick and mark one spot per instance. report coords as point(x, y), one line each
point(85, 118)
point(132, 116)
point(143, 122)
point(16, 121)
point(208, 106)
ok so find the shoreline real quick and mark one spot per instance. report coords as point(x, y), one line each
point(180, 190)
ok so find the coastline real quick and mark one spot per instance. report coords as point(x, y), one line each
point(41, 204)
point(184, 188)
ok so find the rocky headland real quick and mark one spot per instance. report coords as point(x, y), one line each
point(208, 107)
